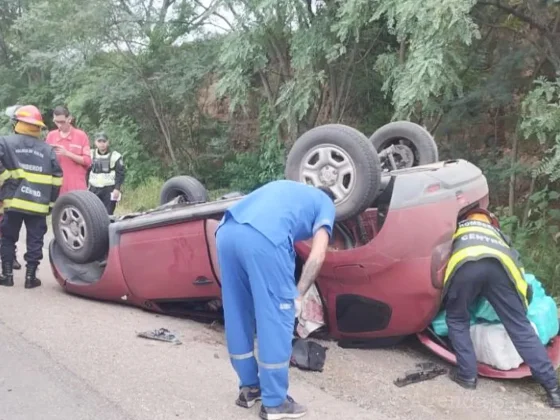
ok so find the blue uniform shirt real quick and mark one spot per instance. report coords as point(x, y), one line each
point(282, 210)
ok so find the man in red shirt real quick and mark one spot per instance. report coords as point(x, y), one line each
point(73, 151)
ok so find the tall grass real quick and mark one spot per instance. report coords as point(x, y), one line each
point(143, 198)
point(146, 197)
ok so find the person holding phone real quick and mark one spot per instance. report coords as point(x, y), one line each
point(72, 149)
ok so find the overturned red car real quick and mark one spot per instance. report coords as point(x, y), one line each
point(397, 209)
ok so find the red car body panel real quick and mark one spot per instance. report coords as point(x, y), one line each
point(553, 350)
point(110, 287)
point(187, 271)
point(387, 286)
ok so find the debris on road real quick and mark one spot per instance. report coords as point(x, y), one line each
point(308, 355)
point(162, 334)
point(216, 326)
point(423, 372)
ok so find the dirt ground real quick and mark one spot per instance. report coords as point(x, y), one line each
point(65, 357)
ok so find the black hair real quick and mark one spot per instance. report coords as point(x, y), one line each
point(101, 136)
point(61, 110)
point(328, 191)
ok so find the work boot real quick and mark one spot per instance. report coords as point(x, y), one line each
point(288, 410)
point(31, 281)
point(17, 265)
point(553, 397)
point(465, 383)
point(7, 277)
point(248, 397)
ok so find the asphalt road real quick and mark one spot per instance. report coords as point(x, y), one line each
point(68, 358)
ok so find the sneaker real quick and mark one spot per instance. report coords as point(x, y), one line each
point(288, 410)
point(248, 397)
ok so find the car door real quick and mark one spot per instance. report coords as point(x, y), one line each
point(168, 261)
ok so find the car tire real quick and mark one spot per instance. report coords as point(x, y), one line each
point(81, 226)
point(348, 164)
point(416, 146)
point(187, 186)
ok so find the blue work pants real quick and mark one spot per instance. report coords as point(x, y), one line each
point(258, 291)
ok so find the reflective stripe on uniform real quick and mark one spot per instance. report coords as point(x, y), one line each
point(18, 203)
point(476, 252)
point(29, 183)
point(242, 356)
point(463, 230)
point(31, 177)
point(275, 365)
point(4, 175)
point(101, 180)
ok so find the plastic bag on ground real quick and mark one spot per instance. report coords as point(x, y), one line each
point(494, 347)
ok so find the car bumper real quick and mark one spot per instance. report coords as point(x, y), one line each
point(523, 371)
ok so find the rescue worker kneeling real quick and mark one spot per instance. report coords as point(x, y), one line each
point(32, 179)
point(484, 264)
point(106, 174)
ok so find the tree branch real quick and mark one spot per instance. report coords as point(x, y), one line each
point(164, 9)
point(162, 124)
point(516, 13)
point(342, 93)
point(215, 13)
point(309, 9)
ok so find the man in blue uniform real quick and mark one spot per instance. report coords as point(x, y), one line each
point(255, 243)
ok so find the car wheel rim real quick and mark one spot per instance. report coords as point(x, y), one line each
point(404, 156)
point(402, 152)
point(330, 166)
point(72, 227)
point(179, 196)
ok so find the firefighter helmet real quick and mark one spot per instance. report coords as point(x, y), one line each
point(29, 114)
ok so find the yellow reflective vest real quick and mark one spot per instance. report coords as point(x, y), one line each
point(473, 241)
point(30, 175)
point(103, 172)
